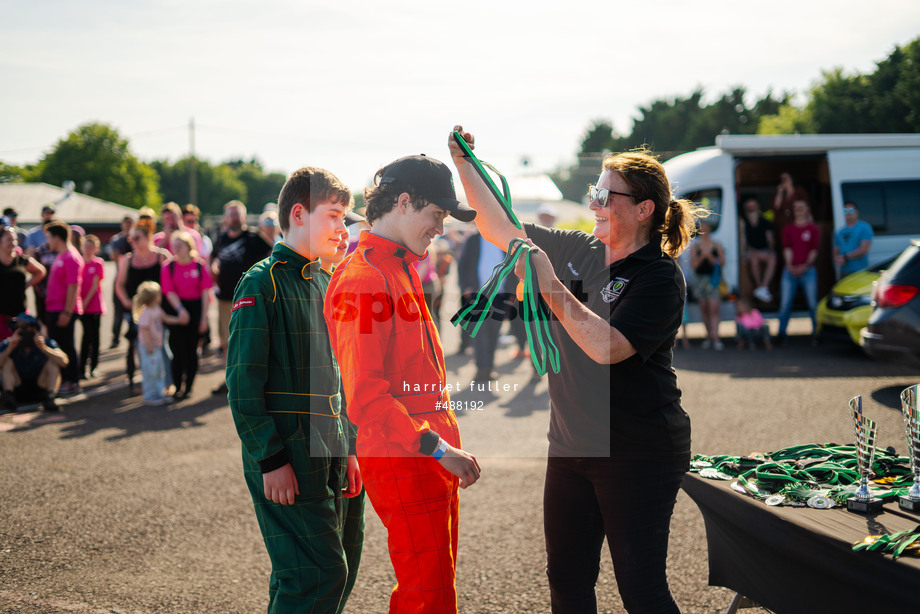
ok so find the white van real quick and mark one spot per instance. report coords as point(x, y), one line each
point(879, 172)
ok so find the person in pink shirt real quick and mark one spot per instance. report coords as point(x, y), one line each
point(187, 287)
point(750, 327)
point(171, 215)
point(63, 302)
point(93, 306)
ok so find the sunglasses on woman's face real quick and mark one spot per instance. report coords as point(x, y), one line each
point(602, 195)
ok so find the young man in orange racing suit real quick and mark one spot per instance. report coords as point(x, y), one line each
point(394, 377)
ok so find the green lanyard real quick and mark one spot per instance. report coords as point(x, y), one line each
point(503, 197)
point(536, 314)
point(537, 319)
point(477, 309)
point(894, 544)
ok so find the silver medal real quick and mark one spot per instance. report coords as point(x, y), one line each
point(820, 502)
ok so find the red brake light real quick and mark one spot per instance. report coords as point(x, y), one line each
point(894, 295)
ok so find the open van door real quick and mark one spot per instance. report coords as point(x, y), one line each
point(757, 178)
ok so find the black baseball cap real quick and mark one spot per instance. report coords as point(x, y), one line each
point(429, 179)
point(353, 218)
point(26, 318)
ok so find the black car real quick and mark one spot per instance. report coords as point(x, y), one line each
point(893, 331)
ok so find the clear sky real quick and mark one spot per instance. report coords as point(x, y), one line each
point(352, 85)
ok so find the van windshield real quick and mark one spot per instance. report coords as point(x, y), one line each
point(711, 200)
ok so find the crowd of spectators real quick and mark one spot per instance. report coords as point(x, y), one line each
point(45, 355)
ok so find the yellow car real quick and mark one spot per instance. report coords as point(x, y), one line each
point(847, 308)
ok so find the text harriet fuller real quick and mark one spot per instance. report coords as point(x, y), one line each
point(474, 386)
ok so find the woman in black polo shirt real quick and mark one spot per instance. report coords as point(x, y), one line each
point(619, 441)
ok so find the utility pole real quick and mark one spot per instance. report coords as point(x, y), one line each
point(192, 164)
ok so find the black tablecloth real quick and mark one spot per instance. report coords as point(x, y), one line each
point(801, 559)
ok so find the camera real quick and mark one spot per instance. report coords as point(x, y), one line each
point(27, 336)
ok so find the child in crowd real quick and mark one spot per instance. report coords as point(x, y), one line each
point(750, 326)
point(150, 318)
point(93, 305)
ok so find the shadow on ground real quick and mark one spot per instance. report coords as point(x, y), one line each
point(797, 358)
point(890, 396)
point(122, 416)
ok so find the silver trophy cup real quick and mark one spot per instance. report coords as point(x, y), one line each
point(909, 407)
point(864, 430)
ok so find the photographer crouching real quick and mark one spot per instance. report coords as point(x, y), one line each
point(30, 367)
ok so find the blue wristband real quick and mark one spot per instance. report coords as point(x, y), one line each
point(440, 450)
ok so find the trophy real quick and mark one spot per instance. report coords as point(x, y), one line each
point(909, 398)
point(864, 430)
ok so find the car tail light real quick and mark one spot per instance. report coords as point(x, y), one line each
point(893, 295)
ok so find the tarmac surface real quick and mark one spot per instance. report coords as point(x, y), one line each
point(111, 506)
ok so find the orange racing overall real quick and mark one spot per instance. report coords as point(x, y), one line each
point(392, 366)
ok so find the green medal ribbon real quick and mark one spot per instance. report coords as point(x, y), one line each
point(536, 314)
point(503, 197)
point(751, 488)
point(537, 317)
point(798, 473)
point(894, 544)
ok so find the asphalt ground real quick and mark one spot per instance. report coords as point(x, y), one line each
point(113, 506)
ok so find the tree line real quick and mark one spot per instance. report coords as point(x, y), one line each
point(98, 159)
point(887, 100)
